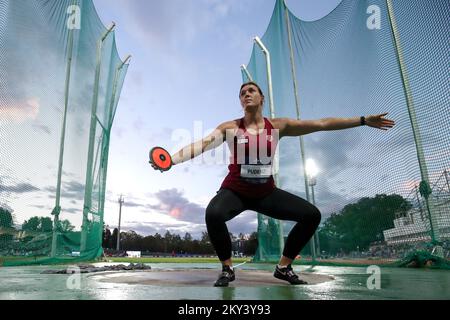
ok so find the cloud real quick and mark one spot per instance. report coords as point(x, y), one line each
point(72, 210)
point(118, 131)
point(132, 204)
point(139, 124)
point(151, 228)
point(130, 201)
point(18, 188)
point(329, 202)
point(43, 128)
point(72, 190)
point(69, 174)
point(403, 142)
point(246, 223)
point(172, 203)
point(20, 110)
point(167, 23)
point(181, 215)
point(332, 153)
point(145, 131)
point(50, 189)
point(329, 156)
point(41, 207)
point(174, 32)
point(136, 79)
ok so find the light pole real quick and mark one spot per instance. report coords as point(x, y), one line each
point(312, 170)
point(121, 201)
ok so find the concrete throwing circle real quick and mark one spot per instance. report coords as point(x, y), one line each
point(203, 278)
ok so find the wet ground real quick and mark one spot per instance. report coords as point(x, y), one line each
point(195, 282)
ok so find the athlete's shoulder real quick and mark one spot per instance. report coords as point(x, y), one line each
point(232, 124)
point(278, 123)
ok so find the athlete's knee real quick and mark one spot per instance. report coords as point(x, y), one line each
point(214, 214)
point(315, 216)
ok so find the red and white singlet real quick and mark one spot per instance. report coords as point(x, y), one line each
point(251, 161)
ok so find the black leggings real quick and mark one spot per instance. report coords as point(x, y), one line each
point(279, 204)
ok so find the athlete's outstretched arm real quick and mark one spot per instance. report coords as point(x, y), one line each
point(212, 141)
point(291, 127)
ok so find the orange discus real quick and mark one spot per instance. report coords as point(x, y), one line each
point(161, 159)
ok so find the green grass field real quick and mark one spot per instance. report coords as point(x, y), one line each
point(342, 263)
point(174, 260)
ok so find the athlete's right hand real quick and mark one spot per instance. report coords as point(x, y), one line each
point(160, 159)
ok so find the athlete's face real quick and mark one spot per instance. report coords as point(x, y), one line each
point(250, 97)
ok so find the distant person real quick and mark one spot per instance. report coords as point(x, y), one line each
point(250, 184)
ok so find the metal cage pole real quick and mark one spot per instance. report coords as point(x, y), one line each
point(107, 133)
point(425, 189)
point(272, 115)
point(121, 202)
point(297, 108)
point(57, 209)
point(89, 172)
point(245, 71)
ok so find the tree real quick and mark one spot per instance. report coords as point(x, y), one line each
point(38, 224)
point(251, 244)
point(46, 224)
point(205, 237)
point(113, 244)
point(361, 223)
point(33, 224)
point(7, 223)
point(205, 243)
point(130, 240)
point(66, 226)
point(6, 218)
point(159, 243)
point(187, 243)
point(176, 243)
point(167, 241)
point(106, 243)
point(187, 237)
